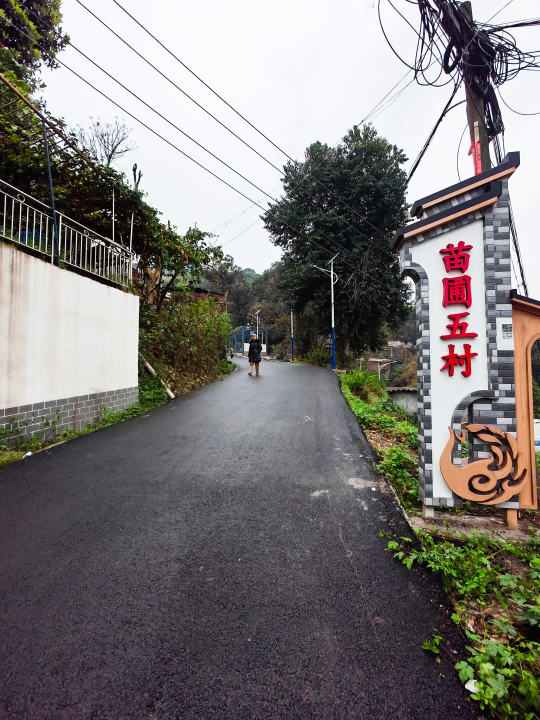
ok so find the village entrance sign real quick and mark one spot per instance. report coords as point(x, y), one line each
point(474, 336)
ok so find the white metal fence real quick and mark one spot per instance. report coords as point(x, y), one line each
point(28, 221)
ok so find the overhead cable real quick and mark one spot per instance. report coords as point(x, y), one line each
point(166, 77)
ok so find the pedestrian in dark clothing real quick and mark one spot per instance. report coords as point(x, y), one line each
point(254, 354)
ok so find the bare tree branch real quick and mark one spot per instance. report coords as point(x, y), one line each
point(106, 141)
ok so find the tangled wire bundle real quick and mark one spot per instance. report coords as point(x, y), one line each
point(484, 56)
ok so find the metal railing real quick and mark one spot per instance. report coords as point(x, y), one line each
point(28, 221)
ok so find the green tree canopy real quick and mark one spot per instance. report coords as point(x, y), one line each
point(30, 35)
point(347, 200)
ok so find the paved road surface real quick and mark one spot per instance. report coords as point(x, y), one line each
point(216, 558)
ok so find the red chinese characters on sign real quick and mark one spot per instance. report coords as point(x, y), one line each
point(458, 328)
point(453, 360)
point(456, 258)
point(457, 291)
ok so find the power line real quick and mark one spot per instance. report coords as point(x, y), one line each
point(249, 123)
point(48, 122)
point(201, 80)
point(209, 152)
point(335, 242)
point(160, 115)
point(512, 109)
point(243, 231)
point(432, 133)
point(459, 148)
point(376, 110)
point(174, 85)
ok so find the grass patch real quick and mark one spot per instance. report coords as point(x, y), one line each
point(10, 456)
point(495, 588)
point(226, 367)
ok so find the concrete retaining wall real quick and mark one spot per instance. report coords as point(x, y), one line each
point(68, 344)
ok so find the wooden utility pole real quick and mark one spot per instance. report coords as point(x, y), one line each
point(475, 108)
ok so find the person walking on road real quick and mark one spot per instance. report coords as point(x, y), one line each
point(231, 351)
point(254, 354)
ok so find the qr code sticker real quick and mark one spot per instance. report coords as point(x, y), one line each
point(507, 332)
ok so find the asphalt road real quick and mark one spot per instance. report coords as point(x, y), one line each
point(217, 558)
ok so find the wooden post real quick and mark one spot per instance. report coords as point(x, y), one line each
point(510, 518)
point(475, 109)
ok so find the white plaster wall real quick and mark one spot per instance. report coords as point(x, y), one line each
point(447, 392)
point(61, 334)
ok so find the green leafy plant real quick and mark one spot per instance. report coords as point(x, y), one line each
point(185, 341)
point(401, 469)
point(226, 366)
point(503, 677)
point(366, 385)
point(433, 645)
point(317, 356)
point(503, 670)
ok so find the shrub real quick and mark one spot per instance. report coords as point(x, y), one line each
point(187, 339)
point(402, 470)
point(366, 385)
point(226, 366)
point(317, 356)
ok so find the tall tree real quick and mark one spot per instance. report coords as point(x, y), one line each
point(233, 279)
point(347, 200)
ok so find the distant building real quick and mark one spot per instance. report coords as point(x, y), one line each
point(390, 358)
point(207, 288)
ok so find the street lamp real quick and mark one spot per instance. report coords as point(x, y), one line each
point(380, 367)
point(292, 337)
point(333, 281)
point(256, 315)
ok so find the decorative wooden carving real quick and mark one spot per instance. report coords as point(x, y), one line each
point(491, 480)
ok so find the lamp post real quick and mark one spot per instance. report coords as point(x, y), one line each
point(136, 181)
point(380, 367)
point(333, 281)
point(292, 338)
point(55, 254)
point(256, 315)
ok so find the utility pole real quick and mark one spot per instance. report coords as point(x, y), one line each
point(333, 281)
point(55, 246)
point(332, 302)
point(475, 107)
point(292, 338)
point(136, 181)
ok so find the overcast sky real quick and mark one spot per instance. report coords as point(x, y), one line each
point(300, 72)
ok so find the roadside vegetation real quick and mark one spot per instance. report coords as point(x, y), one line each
point(390, 431)
point(494, 584)
point(495, 588)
